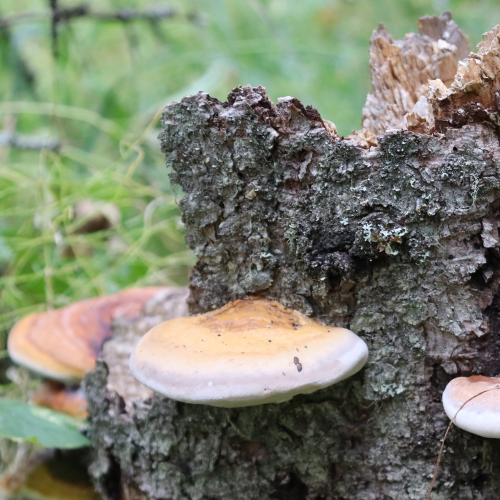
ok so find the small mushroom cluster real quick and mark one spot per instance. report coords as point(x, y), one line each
point(249, 352)
point(63, 344)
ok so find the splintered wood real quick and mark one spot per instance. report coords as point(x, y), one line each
point(473, 96)
point(400, 71)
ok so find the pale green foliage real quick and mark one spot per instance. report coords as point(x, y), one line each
point(23, 422)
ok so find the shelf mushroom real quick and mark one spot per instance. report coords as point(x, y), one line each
point(247, 353)
point(63, 344)
point(479, 413)
point(58, 397)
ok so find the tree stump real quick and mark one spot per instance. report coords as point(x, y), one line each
point(392, 234)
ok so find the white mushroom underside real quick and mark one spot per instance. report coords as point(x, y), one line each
point(268, 382)
point(483, 423)
point(40, 368)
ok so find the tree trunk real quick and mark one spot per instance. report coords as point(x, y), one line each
point(394, 237)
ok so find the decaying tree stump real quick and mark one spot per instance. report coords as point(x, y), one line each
point(394, 236)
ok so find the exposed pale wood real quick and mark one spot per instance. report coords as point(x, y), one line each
point(401, 69)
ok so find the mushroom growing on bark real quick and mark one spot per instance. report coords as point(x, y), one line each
point(58, 397)
point(63, 344)
point(247, 353)
point(475, 404)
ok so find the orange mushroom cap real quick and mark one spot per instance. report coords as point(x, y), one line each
point(248, 352)
point(63, 344)
point(57, 397)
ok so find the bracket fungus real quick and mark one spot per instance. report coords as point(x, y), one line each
point(58, 397)
point(63, 344)
point(249, 352)
point(477, 401)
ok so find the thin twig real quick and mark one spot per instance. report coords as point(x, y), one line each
point(446, 434)
point(53, 26)
point(28, 142)
point(59, 15)
point(20, 65)
point(126, 15)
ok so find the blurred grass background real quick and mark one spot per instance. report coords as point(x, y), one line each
point(99, 99)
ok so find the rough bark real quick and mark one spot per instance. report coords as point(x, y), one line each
point(398, 242)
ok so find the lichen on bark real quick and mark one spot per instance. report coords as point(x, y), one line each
point(398, 242)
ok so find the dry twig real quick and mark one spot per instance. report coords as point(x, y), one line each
point(28, 142)
point(446, 434)
point(62, 14)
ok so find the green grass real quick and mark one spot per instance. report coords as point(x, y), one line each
point(101, 98)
